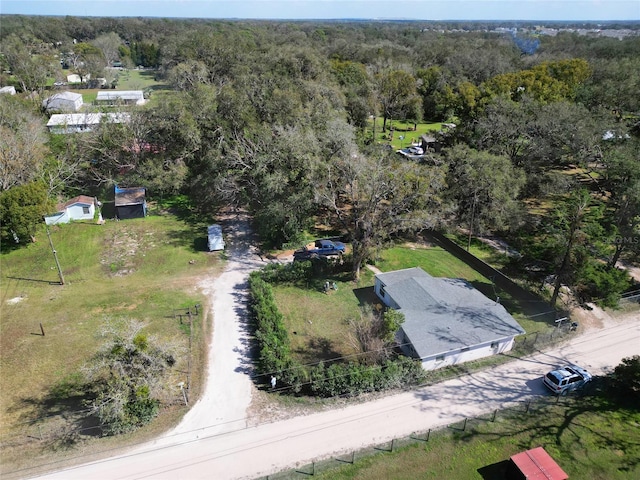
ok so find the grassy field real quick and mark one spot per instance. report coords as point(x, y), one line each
point(139, 269)
point(586, 436)
point(317, 322)
point(401, 129)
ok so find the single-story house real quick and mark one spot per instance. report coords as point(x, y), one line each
point(81, 207)
point(535, 464)
point(63, 102)
point(447, 321)
point(130, 202)
point(75, 78)
point(11, 90)
point(120, 97)
point(214, 237)
point(83, 122)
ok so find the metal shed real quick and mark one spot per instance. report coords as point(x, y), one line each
point(214, 237)
point(535, 464)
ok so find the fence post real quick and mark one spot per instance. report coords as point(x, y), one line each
point(464, 425)
point(493, 419)
point(526, 410)
point(392, 443)
point(313, 468)
point(353, 457)
point(428, 434)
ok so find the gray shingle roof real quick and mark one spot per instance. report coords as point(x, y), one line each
point(444, 314)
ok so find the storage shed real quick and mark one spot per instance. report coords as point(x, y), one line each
point(214, 237)
point(130, 202)
point(63, 102)
point(120, 97)
point(535, 464)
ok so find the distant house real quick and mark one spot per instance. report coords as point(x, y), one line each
point(63, 102)
point(75, 78)
point(214, 237)
point(83, 122)
point(130, 202)
point(120, 97)
point(447, 321)
point(81, 207)
point(10, 90)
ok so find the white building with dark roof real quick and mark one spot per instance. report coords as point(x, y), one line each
point(447, 321)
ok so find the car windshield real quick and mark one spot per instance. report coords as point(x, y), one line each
point(553, 378)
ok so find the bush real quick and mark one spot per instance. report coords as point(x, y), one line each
point(602, 283)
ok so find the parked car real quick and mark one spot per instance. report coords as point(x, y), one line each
point(566, 379)
point(322, 248)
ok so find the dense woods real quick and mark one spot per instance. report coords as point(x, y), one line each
point(280, 118)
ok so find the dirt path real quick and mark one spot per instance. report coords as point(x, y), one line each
point(228, 387)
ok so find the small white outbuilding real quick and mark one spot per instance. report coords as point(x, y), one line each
point(63, 102)
point(214, 237)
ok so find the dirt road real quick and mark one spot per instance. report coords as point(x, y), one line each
point(214, 440)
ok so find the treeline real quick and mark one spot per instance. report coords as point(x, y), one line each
point(278, 117)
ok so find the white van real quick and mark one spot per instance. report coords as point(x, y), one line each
point(214, 237)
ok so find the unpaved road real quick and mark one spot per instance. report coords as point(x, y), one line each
point(214, 440)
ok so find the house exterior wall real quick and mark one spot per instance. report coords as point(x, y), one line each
point(379, 290)
point(475, 352)
point(80, 211)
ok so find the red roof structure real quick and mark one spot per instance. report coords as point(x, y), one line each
point(537, 464)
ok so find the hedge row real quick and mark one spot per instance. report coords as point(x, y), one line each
point(324, 380)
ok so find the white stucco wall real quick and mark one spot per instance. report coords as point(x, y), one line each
point(473, 353)
point(76, 212)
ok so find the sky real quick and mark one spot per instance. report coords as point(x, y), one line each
point(568, 10)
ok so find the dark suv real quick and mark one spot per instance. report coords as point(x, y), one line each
point(566, 379)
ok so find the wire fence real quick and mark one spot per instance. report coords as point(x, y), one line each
point(467, 424)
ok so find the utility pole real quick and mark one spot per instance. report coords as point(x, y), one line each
point(55, 256)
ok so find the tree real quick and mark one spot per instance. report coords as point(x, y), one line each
point(87, 60)
point(31, 62)
point(621, 178)
point(397, 94)
point(22, 143)
point(127, 374)
point(571, 228)
point(21, 211)
point(625, 381)
point(375, 195)
point(109, 44)
point(485, 189)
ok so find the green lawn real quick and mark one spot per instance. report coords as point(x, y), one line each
point(140, 269)
point(401, 129)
